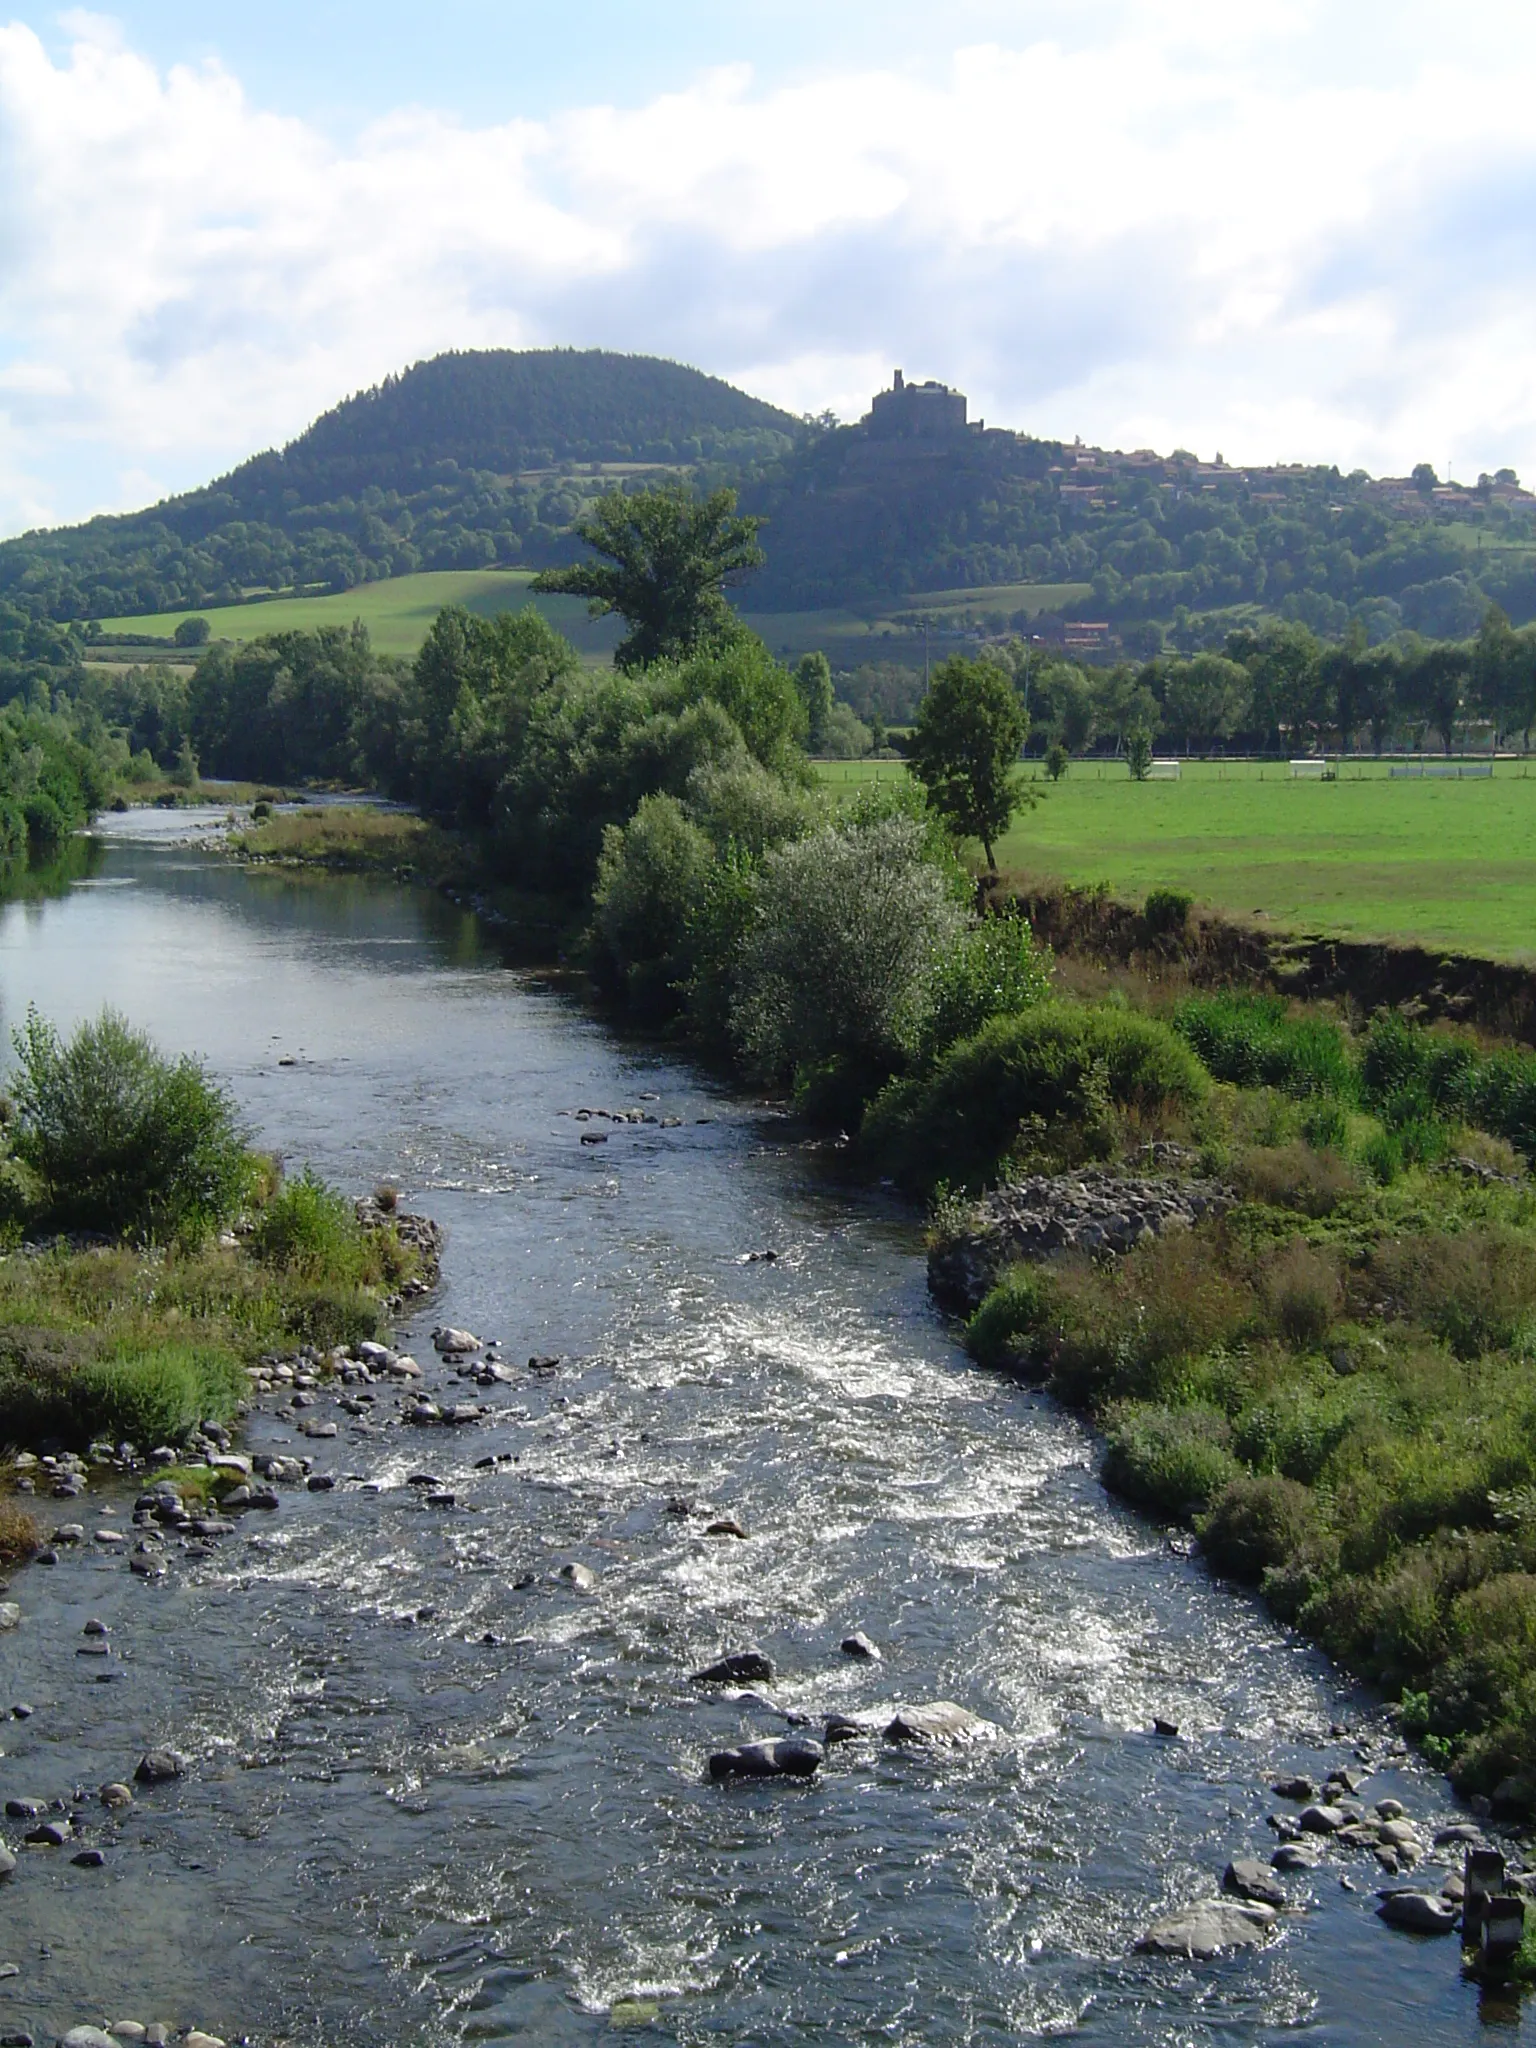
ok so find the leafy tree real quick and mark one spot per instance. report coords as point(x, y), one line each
point(1056, 762)
point(1206, 699)
point(1436, 685)
point(813, 679)
point(1424, 479)
point(191, 632)
point(970, 731)
point(1138, 752)
point(667, 559)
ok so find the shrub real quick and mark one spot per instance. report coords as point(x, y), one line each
point(1174, 1460)
point(1138, 752)
point(1002, 1330)
point(1304, 1294)
point(1408, 1074)
point(1167, 912)
point(310, 1229)
point(19, 1536)
point(651, 874)
point(1059, 1063)
point(1325, 1124)
point(121, 1138)
point(992, 969)
point(152, 1394)
point(1255, 1524)
point(849, 925)
point(1295, 1176)
point(738, 804)
point(1253, 1040)
point(1057, 762)
point(1473, 1289)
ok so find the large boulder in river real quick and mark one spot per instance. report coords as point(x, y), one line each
point(742, 1667)
point(1419, 1912)
point(1205, 1930)
point(790, 1757)
point(451, 1343)
point(1251, 1880)
point(940, 1721)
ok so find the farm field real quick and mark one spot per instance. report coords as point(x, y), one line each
point(1449, 864)
point(399, 613)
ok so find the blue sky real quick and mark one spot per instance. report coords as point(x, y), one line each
point(1296, 230)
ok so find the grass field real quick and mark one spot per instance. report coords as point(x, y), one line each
point(1450, 864)
point(399, 613)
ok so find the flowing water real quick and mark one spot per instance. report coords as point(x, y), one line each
point(429, 1803)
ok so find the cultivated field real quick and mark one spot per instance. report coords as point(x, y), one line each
point(1451, 864)
point(399, 613)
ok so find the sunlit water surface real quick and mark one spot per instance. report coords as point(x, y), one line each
point(394, 1831)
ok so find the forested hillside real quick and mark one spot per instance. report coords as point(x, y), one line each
point(465, 461)
point(485, 459)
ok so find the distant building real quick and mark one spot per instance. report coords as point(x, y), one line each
point(916, 412)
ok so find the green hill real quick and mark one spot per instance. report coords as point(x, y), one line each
point(468, 461)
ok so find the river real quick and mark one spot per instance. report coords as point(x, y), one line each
point(427, 1804)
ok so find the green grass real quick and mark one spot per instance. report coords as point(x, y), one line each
point(399, 613)
point(1448, 864)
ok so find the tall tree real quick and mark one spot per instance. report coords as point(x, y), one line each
point(813, 679)
point(970, 731)
point(667, 558)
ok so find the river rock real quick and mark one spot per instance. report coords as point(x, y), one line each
point(1323, 1820)
point(1391, 1809)
point(1458, 1831)
point(7, 1861)
point(90, 1859)
point(1398, 1834)
point(1291, 1856)
point(159, 1766)
point(196, 2038)
point(860, 1647)
point(25, 1809)
point(581, 1576)
point(1418, 1912)
point(88, 2037)
point(49, 1834)
point(939, 1721)
point(10, 1614)
point(115, 1796)
point(1202, 1931)
point(727, 1525)
point(1294, 1788)
point(789, 1757)
point(451, 1343)
point(233, 1463)
point(741, 1667)
point(1251, 1880)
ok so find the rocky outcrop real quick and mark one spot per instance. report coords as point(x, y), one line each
point(1093, 1211)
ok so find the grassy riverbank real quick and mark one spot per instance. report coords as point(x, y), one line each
point(1331, 1382)
point(351, 839)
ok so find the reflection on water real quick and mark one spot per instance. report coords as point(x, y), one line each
point(439, 1796)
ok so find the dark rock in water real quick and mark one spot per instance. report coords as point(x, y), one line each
point(679, 1506)
point(89, 1859)
point(859, 1646)
point(1418, 1912)
point(114, 1796)
point(941, 1721)
point(791, 1757)
point(1167, 1729)
point(1323, 1820)
point(21, 1711)
point(1200, 1932)
point(146, 1565)
point(25, 1809)
point(849, 1727)
point(320, 1482)
point(1294, 1788)
point(159, 1766)
point(95, 1628)
point(1291, 1856)
point(742, 1667)
point(1251, 1880)
point(49, 1834)
point(545, 1363)
point(726, 1526)
point(264, 1498)
point(1458, 1831)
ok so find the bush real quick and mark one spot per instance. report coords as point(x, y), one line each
point(1473, 1289)
point(310, 1229)
point(1167, 912)
point(1295, 1176)
point(19, 1536)
point(1057, 762)
point(155, 1394)
point(1059, 1064)
point(1255, 1524)
point(1254, 1041)
point(1304, 1294)
point(121, 1138)
point(1003, 1329)
point(650, 877)
point(1173, 1460)
point(993, 969)
point(848, 927)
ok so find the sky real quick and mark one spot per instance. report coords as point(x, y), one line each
point(1290, 230)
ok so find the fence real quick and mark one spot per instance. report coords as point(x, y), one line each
point(1453, 771)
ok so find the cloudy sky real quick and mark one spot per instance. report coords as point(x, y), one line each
point(1287, 229)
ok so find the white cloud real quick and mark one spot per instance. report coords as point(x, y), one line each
point(1188, 223)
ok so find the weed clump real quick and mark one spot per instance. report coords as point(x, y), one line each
point(1256, 1041)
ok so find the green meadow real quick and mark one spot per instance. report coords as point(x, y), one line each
point(1450, 864)
point(399, 613)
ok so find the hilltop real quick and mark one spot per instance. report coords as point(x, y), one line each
point(483, 460)
point(464, 461)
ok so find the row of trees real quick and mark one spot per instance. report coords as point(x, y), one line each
point(1282, 688)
